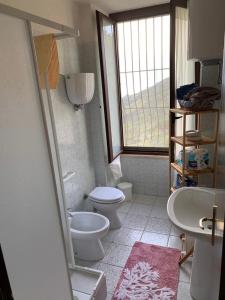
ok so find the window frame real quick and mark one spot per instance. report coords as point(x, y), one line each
point(100, 16)
point(142, 13)
point(146, 12)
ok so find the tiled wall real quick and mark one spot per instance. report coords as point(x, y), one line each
point(74, 128)
point(89, 62)
point(149, 174)
point(80, 133)
point(74, 147)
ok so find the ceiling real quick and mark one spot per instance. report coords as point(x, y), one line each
point(111, 6)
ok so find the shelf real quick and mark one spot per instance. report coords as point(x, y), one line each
point(190, 112)
point(204, 141)
point(185, 142)
point(188, 172)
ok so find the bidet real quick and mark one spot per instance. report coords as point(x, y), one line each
point(87, 228)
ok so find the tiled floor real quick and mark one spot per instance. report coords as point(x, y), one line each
point(144, 219)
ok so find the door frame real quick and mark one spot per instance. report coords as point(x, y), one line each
point(28, 18)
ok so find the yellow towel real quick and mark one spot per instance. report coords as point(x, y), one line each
point(47, 59)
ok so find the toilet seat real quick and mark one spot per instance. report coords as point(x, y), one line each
point(106, 195)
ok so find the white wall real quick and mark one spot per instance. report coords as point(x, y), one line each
point(220, 182)
point(30, 231)
point(207, 26)
point(60, 11)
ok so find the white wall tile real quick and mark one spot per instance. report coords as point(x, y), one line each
point(149, 174)
point(74, 148)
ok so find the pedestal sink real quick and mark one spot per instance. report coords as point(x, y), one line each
point(185, 207)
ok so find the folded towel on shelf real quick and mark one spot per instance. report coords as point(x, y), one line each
point(184, 90)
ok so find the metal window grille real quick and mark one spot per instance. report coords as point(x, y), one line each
point(144, 48)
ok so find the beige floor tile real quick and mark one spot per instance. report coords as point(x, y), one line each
point(117, 255)
point(184, 291)
point(112, 274)
point(127, 236)
point(144, 199)
point(159, 211)
point(135, 221)
point(175, 231)
point(157, 225)
point(155, 238)
point(125, 207)
point(185, 271)
point(174, 242)
point(140, 209)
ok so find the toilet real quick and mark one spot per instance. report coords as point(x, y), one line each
point(107, 200)
point(87, 228)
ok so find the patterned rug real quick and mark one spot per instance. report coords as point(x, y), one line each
point(151, 272)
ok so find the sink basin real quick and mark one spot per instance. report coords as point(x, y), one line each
point(185, 207)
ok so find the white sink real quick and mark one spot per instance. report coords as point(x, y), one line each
point(185, 207)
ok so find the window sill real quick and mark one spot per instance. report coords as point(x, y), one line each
point(146, 154)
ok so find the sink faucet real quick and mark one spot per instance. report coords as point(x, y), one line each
point(213, 220)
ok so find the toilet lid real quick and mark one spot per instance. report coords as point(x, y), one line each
point(106, 195)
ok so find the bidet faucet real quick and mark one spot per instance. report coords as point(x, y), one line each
point(69, 212)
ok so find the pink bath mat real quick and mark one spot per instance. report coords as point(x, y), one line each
point(151, 272)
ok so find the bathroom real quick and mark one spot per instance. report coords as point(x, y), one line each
point(73, 159)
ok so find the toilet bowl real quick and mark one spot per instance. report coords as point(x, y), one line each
point(107, 200)
point(87, 229)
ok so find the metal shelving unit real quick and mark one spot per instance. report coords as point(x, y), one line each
point(185, 142)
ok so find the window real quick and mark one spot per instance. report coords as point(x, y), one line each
point(144, 52)
point(134, 52)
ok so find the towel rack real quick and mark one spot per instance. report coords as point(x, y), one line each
point(68, 176)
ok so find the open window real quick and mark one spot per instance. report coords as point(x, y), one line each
point(135, 67)
point(110, 84)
